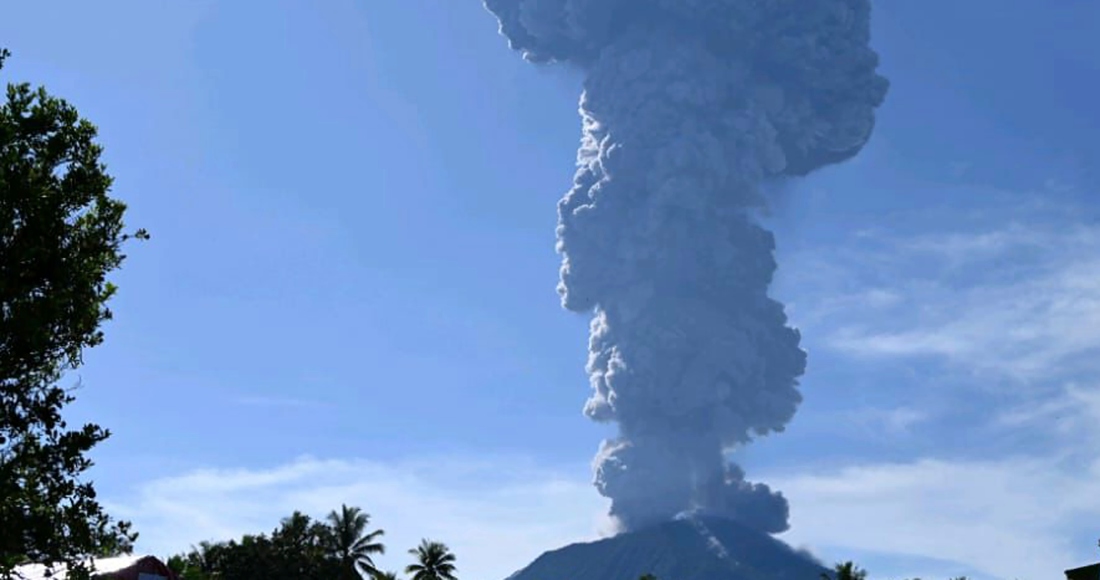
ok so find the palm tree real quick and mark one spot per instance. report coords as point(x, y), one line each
point(846, 571)
point(386, 576)
point(434, 561)
point(351, 544)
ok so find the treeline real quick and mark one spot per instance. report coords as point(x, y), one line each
point(841, 571)
point(340, 547)
point(850, 571)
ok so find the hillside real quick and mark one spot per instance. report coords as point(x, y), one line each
point(694, 548)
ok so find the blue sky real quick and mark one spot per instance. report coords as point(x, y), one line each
point(349, 294)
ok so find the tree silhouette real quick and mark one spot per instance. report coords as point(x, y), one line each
point(846, 571)
point(351, 543)
point(60, 236)
point(434, 561)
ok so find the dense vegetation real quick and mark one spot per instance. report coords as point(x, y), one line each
point(340, 547)
point(849, 571)
point(841, 571)
point(60, 235)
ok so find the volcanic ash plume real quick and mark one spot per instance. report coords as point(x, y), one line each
point(689, 107)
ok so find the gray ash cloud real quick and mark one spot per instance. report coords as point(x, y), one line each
point(689, 108)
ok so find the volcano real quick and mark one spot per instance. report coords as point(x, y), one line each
point(687, 548)
point(690, 111)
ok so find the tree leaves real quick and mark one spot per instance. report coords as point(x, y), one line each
point(299, 549)
point(60, 236)
point(304, 549)
point(434, 561)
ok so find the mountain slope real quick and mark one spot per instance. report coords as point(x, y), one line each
point(695, 548)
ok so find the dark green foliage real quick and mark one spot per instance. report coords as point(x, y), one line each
point(846, 571)
point(352, 544)
point(434, 561)
point(299, 549)
point(302, 547)
point(849, 571)
point(60, 235)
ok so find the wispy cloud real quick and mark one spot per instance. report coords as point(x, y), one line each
point(876, 422)
point(1006, 519)
point(1073, 415)
point(1001, 519)
point(1026, 328)
point(1019, 516)
point(1011, 301)
point(1018, 299)
point(497, 514)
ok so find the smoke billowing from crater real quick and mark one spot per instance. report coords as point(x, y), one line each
point(689, 108)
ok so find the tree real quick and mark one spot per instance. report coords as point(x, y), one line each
point(203, 560)
point(351, 545)
point(60, 235)
point(184, 569)
point(385, 576)
point(250, 558)
point(301, 548)
point(846, 571)
point(434, 561)
point(849, 571)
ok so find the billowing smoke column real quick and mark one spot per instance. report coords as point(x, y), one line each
point(689, 107)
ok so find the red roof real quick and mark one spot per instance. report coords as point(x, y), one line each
point(120, 568)
point(146, 565)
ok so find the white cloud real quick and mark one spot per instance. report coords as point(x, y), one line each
point(497, 515)
point(1008, 518)
point(1025, 328)
point(1073, 415)
point(1005, 518)
point(965, 247)
point(870, 299)
point(876, 422)
point(1020, 300)
point(1017, 302)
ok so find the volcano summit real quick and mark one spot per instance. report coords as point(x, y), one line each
point(687, 548)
